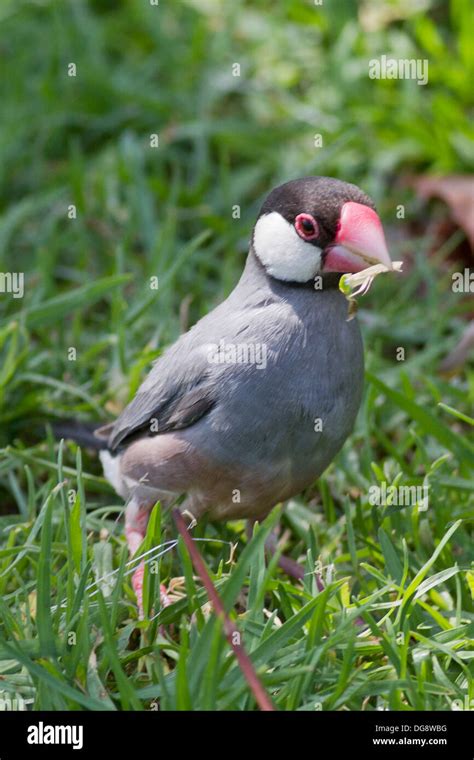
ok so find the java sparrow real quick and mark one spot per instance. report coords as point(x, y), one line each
point(251, 405)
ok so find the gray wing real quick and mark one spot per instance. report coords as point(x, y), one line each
point(184, 385)
point(179, 390)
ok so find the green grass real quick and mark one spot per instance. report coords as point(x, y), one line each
point(394, 626)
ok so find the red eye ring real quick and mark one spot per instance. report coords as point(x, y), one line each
point(306, 226)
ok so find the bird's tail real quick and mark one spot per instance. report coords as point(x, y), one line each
point(83, 433)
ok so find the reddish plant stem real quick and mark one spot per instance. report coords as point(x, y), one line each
point(231, 631)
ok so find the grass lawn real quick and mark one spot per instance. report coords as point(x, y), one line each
point(92, 213)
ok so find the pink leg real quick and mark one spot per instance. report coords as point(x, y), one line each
point(136, 521)
point(288, 565)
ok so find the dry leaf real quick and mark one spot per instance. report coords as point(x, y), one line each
point(457, 191)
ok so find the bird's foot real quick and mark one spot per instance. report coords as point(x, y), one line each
point(137, 585)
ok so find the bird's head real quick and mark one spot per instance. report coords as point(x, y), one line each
point(314, 225)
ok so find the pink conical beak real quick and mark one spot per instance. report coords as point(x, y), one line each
point(359, 243)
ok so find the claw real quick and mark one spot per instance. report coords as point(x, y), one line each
point(137, 584)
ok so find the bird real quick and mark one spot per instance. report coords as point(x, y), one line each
point(250, 406)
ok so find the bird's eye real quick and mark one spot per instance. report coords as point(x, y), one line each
point(306, 226)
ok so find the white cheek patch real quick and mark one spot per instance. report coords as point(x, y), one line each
point(282, 252)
